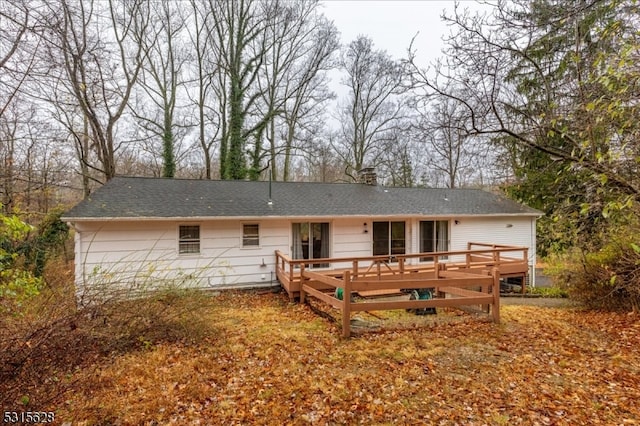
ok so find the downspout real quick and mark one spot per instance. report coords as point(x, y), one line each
point(533, 250)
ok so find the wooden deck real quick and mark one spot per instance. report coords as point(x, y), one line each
point(468, 277)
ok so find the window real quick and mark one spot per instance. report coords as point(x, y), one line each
point(189, 241)
point(250, 235)
point(389, 238)
point(434, 236)
point(311, 241)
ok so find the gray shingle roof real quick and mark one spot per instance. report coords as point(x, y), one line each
point(126, 197)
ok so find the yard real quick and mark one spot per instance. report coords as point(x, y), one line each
point(256, 358)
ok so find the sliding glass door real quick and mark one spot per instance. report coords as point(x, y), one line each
point(311, 241)
point(389, 238)
point(434, 236)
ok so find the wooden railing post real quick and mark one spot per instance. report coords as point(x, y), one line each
point(488, 289)
point(346, 305)
point(439, 267)
point(401, 265)
point(302, 292)
point(495, 308)
point(291, 281)
point(525, 253)
point(355, 269)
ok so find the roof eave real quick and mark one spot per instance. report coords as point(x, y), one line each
point(353, 216)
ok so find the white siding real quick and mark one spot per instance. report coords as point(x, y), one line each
point(139, 254)
point(125, 254)
point(491, 229)
point(516, 231)
point(349, 238)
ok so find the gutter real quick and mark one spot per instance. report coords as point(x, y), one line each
point(206, 218)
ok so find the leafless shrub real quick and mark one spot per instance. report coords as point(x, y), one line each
point(50, 337)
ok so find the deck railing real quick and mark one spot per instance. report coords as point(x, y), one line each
point(453, 289)
point(509, 260)
point(472, 281)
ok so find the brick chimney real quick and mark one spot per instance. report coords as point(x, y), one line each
point(368, 176)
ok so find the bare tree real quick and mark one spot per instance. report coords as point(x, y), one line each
point(32, 159)
point(320, 164)
point(206, 73)
point(399, 163)
point(8, 142)
point(102, 57)
point(162, 79)
point(449, 152)
point(17, 55)
point(66, 112)
point(19, 52)
point(373, 105)
point(294, 84)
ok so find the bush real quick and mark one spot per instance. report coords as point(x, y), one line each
point(16, 286)
point(17, 283)
point(608, 278)
point(48, 241)
point(43, 345)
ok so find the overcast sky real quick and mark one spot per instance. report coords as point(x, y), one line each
point(392, 24)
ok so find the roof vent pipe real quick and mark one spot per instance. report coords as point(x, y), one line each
point(368, 176)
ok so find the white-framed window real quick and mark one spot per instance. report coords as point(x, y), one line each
point(189, 239)
point(250, 235)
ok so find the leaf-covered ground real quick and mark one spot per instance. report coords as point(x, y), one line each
point(268, 361)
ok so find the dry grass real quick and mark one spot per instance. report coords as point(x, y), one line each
point(258, 359)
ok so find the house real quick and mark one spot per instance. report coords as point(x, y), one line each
point(134, 232)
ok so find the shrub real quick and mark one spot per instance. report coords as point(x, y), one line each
point(16, 286)
point(607, 278)
point(16, 283)
point(49, 240)
point(50, 338)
